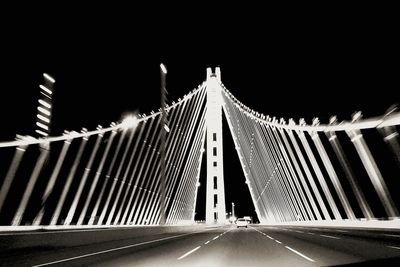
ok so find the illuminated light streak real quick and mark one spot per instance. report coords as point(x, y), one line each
point(43, 118)
point(49, 78)
point(45, 89)
point(41, 125)
point(45, 104)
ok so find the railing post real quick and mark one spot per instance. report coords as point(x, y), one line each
point(344, 162)
point(82, 183)
point(70, 178)
point(372, 169)
point(331, 172)
point(44, 151)
point(12, 169)
point(163, 144)
point(391, 136)
point(53, 178)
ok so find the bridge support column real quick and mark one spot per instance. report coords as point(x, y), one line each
point(215, 202)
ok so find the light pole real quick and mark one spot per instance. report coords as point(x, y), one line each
point(164, 128)
point(233, 210)
point(43, 117)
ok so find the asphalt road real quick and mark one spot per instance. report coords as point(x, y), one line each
point(227, 246)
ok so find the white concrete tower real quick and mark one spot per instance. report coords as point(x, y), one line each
point(215, 202)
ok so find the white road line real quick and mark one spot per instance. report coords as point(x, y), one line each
point(342, 231)
point(391, 235)
point(262, 233)
point(329, 236)
point(215, 237)
point(111, 250)
point(188, 253)
point(393, 247)
point(299, 232)
point(300, 254)
point(310, 233)
point(256, 230)
point(277, 241)
point(206, 242)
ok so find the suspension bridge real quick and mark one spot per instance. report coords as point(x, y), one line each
point(320, 191)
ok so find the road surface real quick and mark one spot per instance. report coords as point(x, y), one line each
point(227, 246)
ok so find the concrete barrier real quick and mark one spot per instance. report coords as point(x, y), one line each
point(67, 237)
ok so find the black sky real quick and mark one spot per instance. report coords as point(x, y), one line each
point(295, 64)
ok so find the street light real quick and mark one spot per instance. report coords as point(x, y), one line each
point(129, 121)
point(233, 210)
point(43, 117)
point(164, 127)
point(163, 68)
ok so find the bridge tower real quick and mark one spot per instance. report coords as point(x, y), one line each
point(215, 200)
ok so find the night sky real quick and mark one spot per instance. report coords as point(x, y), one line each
point(106, 66)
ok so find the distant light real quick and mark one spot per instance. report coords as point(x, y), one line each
point(44, 111)
point(129, 121)
point(163, 68)
point(43, 118)
point(44, 103)
point(46, 95)
point(44, 88)
point(41, 132)
point(41, 125)
point(49, 78)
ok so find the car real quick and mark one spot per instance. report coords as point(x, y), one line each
point(241, 222)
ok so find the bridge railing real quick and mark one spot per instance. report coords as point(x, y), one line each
point(110, 176)
point(299, 172)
